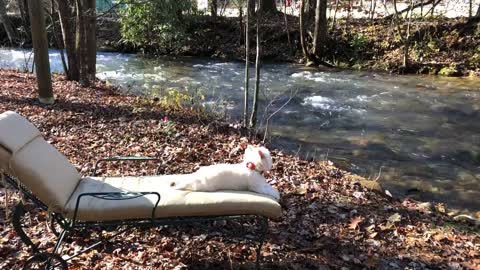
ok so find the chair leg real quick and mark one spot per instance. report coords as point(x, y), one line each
point(63, 236)
point(262, 235)
point(18, 212)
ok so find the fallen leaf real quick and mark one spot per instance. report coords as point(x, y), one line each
point(354, 222)
point(301, 190)
point(439, 237)
point(371, 262)
point(394, 218)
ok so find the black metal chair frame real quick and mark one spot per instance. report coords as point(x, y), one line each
point(55, 260)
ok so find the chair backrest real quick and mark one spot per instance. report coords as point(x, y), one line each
point(36, 163)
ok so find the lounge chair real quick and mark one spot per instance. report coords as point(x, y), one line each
point(74, 203)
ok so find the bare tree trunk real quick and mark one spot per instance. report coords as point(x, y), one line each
point(67, 23)
point(404, 36)
point(334, 22)
point(373, 6)
point(267, 6)
point(253, 117)
point(421, 8)
point(40, 48)
point(251, 7)
point(23, 8)
point(80, 43)
point(349, 7)
point(6, 22)
point(407, 39)
point(310, 6)
point(320, 32)
point(434, 5)
point(91, 38)
point(214, 9)
point(470, 8)
point(58, 42)
point(317, 28)
point(306, 53)
point(240, 20)
point(247, 52)
point(474, 21)
point(286, 25)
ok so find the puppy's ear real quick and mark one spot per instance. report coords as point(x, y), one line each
point(265, 158)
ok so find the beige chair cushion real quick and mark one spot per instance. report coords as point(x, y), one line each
point(46, 172)
point(36, 163)
point(4, 159)
point(16, 131)
point(173, 203)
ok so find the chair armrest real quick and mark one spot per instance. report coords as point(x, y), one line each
point(115, 196)
point(126, 158)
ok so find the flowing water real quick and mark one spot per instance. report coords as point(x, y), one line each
point(419, 135)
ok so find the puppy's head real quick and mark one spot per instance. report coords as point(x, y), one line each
point(259, 156)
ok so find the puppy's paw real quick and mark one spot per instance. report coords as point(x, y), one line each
point(275, 194)
point(272, 192)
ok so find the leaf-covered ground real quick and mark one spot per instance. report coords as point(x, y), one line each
point(330, 220)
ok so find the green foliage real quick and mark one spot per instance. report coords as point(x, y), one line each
point(477, 157)
point(448, 71)
point(417, 51)
point(167, 127)
point(433, 45)
point(176, 100)
point(427, 70)
point(156, 23)
point(476, 59)
point(359, 42)
point(385, 44)
point(451, 38)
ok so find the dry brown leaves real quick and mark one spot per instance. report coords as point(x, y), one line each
point(328, 222)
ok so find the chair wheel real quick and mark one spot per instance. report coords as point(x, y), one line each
point(46, 261)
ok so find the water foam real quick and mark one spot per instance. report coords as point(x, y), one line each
point(321, 102)
point(328, 104)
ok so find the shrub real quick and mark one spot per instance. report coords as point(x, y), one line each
point(176, 99)
point(160, 23)
point(358, 44)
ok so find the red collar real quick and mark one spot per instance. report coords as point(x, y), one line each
point(251, 166)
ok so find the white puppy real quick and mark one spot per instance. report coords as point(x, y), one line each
point(242, 176)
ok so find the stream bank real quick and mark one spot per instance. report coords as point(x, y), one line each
point(439, 46)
